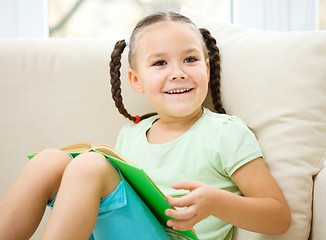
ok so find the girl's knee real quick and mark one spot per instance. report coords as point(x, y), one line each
point(52, 159)
point(48, 165)
point(95, 167)
point(52, 154)
point(92, 163)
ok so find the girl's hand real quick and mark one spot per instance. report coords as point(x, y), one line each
point(196, 205)
point(263, 208)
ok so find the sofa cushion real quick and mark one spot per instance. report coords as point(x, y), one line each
point(275, 82)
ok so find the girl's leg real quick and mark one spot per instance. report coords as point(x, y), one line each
point(22, 207)
point(87, 179)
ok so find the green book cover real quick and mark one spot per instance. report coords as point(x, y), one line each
point(144, 187)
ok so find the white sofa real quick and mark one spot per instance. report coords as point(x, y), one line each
point(56, 92)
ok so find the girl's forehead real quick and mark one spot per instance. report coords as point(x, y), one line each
point(174, 32)
point(169, 26)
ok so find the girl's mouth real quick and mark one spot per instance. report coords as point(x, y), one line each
point(179, 91)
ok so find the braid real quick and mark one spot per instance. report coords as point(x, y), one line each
point(214, 63)
point(115, 66)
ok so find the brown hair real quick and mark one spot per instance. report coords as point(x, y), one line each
point(210, 50)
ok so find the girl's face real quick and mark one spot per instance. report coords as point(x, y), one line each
point(171, 68)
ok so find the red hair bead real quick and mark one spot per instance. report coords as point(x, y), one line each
point(137, 119)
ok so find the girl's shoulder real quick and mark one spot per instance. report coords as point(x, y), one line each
point(224, 126)
point(222, 120)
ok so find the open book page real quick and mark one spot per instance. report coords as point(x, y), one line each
point(112, 152)
point(80, 147)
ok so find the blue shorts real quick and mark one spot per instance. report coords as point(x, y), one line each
point(123, 215)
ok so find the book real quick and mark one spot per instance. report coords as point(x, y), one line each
point(136, 177)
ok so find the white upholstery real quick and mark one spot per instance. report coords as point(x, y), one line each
point(56, 92)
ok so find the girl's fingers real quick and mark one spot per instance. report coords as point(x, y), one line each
point(186, 185)
point(181, 214)
point(184, 201)
point(185, 218)
point(181, 225)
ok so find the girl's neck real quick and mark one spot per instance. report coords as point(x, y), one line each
point(167, 129)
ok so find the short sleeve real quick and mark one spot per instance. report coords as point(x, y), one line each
point(238, 145)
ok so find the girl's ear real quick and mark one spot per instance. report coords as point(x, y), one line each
point(208, 69)
point(135, 81)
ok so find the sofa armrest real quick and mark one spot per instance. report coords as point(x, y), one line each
point(319, 206)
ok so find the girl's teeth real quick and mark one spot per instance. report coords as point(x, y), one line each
point(179, 91)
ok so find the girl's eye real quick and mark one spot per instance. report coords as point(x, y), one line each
point(190, 59)
point(159, 63)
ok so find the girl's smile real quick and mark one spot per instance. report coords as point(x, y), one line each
point(179, 91)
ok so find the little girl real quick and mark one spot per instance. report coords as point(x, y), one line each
point(208, 164)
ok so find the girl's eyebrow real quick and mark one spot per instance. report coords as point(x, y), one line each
point(156, 55)
point(191, 50)
point(163, 54)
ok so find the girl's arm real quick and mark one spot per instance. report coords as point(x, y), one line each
point(263, 207)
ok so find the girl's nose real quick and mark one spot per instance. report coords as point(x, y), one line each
point(178, 74)
point(183, 76)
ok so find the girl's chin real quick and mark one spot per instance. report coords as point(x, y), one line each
point(181, 112)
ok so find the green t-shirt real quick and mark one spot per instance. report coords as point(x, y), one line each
point(209, 152)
